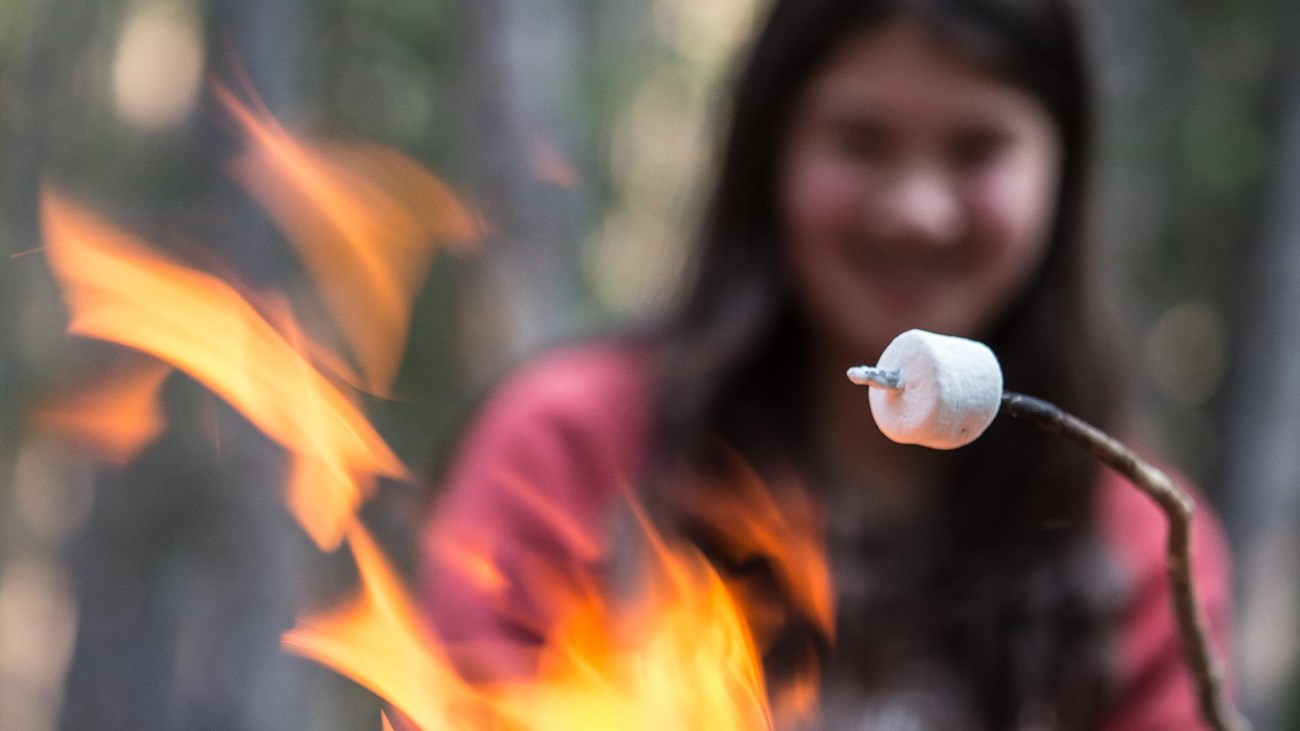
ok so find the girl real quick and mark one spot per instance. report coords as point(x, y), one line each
point(889, 164)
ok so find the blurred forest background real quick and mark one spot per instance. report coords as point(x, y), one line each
point(153, 595)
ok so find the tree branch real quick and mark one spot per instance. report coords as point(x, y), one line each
point(1178, 507)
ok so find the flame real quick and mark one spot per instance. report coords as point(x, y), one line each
point(682, 651)
point(471, 556)
point(120, 290)
point(378, 640)
point(549, 164)
point(680, 656)
point(678, 653)
point(364, 219)
point(116, 418)
point(750, 518)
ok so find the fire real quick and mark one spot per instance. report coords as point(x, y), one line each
point(120, 290)
point(778, 523)
point(682, 650)
point(548, 163)
point(116, 418)
point(378, 640)
point(363, 218)
point(679, 653)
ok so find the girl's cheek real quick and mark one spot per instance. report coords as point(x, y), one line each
point(1008, 211)
point(824, 192)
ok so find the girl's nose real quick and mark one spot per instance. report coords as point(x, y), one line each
point(919, 208)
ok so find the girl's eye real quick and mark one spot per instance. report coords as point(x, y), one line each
point(978, 148)
point(862, 143)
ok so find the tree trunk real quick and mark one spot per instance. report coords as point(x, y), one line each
point(1261, 432)
point(520, 64)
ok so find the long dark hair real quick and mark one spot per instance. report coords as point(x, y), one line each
point(1012, 608)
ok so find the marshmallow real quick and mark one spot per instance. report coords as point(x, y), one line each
point(948, 389)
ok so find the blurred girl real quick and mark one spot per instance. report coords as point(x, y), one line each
point(889, 164)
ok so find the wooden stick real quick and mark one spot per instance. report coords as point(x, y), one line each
point(1178, 507)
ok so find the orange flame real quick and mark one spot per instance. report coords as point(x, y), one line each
point(548, 163)
point(378, 640)
point(682, 656)
point(363, 218)
point(753, 519)
point(116, 418)
point(122, 291)
point(679, 653)
point(684, 651)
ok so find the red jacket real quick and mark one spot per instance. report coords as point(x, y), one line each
point(575, 424)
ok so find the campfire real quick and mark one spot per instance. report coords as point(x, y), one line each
point(677, 652)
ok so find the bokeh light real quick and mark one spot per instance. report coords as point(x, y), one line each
point(158, 65)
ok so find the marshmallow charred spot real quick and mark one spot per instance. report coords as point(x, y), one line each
point(948, 390)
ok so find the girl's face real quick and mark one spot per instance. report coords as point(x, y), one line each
point(917, 190)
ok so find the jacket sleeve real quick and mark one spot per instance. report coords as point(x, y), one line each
point(519, 533)
point(1155, 689)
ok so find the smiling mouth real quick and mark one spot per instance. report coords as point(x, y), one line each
point(911, 274)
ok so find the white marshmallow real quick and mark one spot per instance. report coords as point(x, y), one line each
point(950, 389)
